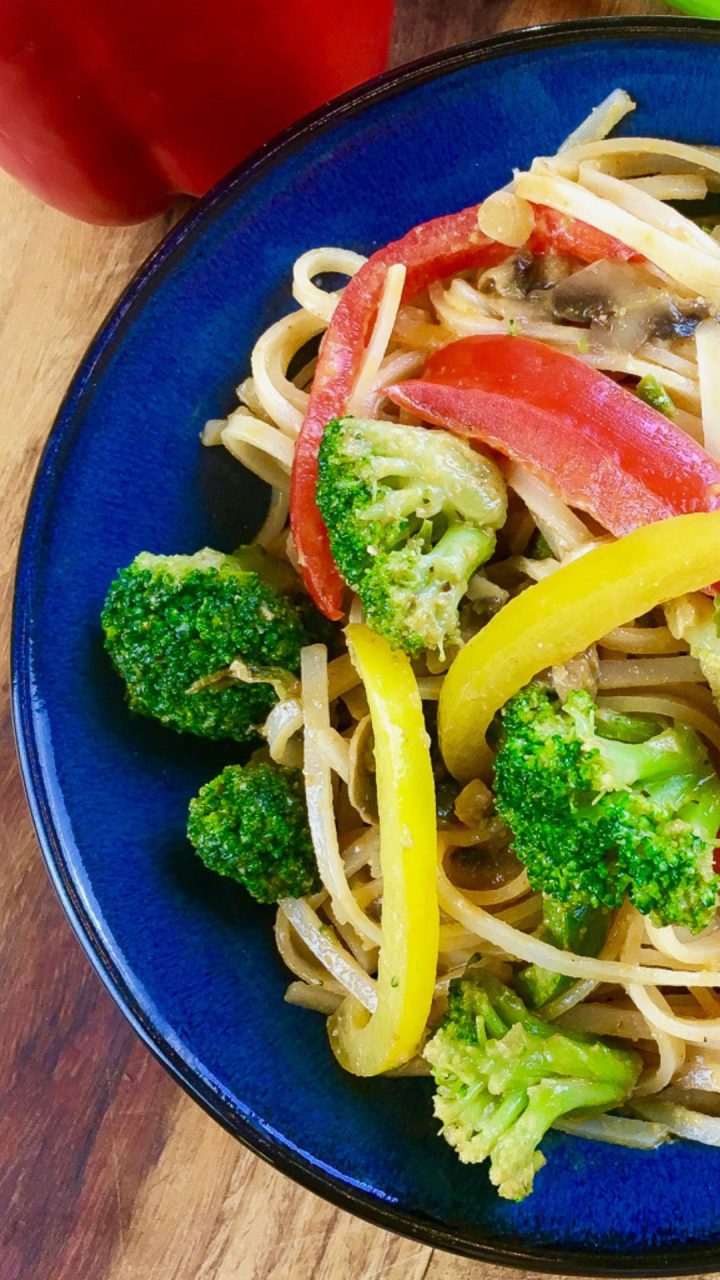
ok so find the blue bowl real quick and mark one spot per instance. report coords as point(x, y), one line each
point(190, 960)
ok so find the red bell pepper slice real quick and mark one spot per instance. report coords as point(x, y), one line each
point(429, 251)
point(576, 239)
point(108, 110)
point(598, 446)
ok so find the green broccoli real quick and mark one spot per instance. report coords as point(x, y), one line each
point(595, 819)
point(250, 823)
point(174, 624)
point(504, 1076)
point(411, 514)
point(582, 929)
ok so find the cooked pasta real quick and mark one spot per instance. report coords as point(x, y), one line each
point(592, 262)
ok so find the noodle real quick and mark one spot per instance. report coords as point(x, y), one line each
point(283, 722)
point(283, 402)
point(323, 944)
point(670, 1047)
point(505, 218)
point(243, 429)
point(317, 998)
point(533, 950)
point(618, 1130)
point(645, 155)
point(682, 1122)
point(316, 301)
point(564, 531)
point(375, 352)
point(625, 673)
point(672, 186)
point(318, 789)
point(704, 949)
point(655, 987)
point(656, 1009)
point(276, 518)
point(647, 208)
point(697, 269)
point(601, 121)
point(632, 639)
point(707, 339)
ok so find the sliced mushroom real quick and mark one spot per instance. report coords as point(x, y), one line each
point(533, 275)
point(601, 291)
point(679, 318)
point(623, 306)
point(525, 275)
point(578, 673)
point(487, 866)
point(362, 787)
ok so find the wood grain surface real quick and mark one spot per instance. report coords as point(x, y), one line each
point(107, 1170)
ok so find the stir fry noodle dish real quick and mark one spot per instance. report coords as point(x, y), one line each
point(474, 654)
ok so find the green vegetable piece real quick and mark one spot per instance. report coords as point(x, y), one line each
point(540, 548)
point(652, 391)
point(619, 727)
point(250, 823)
point(503, 1076)
point(582, 929)
point(411, 514)
point(596, 820)
point(698, 8)
point(174, 624)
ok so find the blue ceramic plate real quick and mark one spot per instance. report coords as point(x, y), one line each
point(190, 961)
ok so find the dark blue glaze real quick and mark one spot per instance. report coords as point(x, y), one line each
point(189, 958)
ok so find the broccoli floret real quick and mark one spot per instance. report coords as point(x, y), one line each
point(504, 1076)
point(250, 823)
point(596, 819)
point(582, 929)
point(411, 514)
point(174, 624)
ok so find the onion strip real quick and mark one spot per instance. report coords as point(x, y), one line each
point(707, 338)
point(318, 791)
point(323, 943)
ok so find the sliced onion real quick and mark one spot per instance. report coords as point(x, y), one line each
point(325, 946)
point(680, 1121)
point(620, 1131)
point(319, 794)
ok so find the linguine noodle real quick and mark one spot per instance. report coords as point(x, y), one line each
point(651, 986)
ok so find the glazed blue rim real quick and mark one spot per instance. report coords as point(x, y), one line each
point(500, 1251)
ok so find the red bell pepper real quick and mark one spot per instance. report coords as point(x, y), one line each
point(576, 239)
point(596, 444)
point(430, 251)
point(109, 109)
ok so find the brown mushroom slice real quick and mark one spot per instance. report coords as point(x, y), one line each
point(526, 275)
point(362, 787)
point(623, 306)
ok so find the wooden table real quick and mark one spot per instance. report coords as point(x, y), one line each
point(108, 1171)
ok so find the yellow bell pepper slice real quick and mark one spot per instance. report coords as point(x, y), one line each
point(367, 1044)
point(563, 614)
